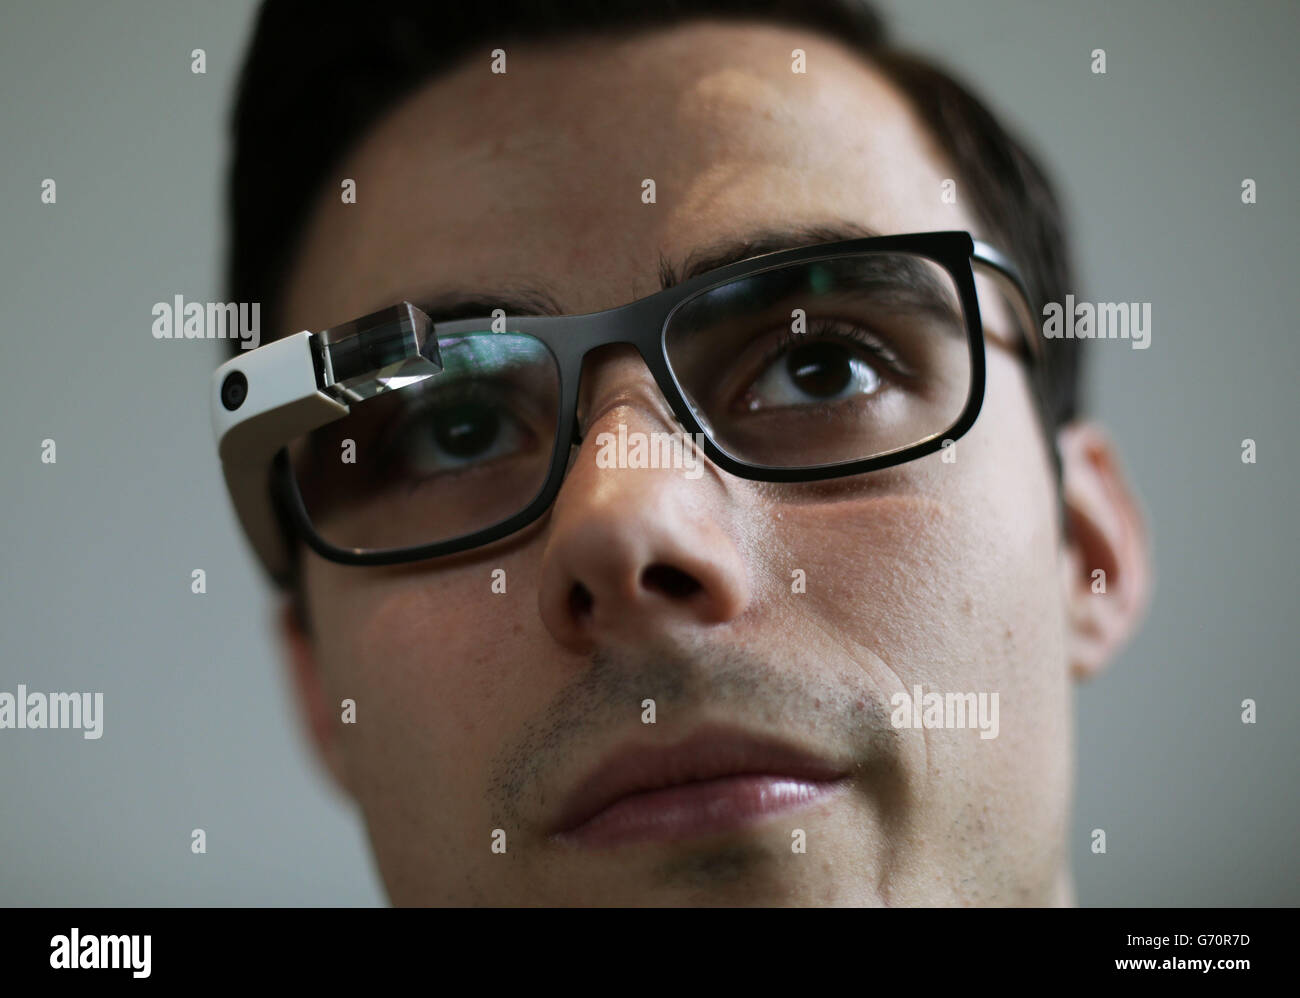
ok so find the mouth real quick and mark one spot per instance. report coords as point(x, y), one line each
point(714, 782)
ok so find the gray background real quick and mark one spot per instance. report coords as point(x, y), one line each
point(98, 548)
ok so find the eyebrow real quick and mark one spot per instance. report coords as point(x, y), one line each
point(519, 299)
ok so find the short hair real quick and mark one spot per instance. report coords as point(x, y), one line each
point(317, 77)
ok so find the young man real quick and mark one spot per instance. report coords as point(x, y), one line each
point(782, 600)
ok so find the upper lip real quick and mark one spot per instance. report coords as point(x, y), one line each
point(706, 755)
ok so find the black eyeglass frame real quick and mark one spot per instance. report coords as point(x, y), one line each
point(643, 324)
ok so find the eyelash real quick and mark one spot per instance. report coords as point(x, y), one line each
point(834, 330)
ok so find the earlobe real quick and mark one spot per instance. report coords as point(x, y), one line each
point(1107, 563)
point(318, 715)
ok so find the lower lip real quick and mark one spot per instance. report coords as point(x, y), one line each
point(697, 809)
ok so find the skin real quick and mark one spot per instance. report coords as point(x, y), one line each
point(479, 711)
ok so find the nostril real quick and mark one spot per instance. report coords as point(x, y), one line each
point(672, 582)
point(580, 601)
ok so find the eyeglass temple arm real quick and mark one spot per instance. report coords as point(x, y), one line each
point(1009, 275)
point(280, 400)
point(1031, 352)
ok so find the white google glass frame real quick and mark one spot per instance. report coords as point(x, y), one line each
point(291, 386)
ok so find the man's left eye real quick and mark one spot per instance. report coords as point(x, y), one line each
point(813, 372)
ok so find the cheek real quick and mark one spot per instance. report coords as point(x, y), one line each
point(949, 571)
point(948, 575)
point(433, 681)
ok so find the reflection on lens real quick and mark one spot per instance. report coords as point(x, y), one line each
point(825, 362)
point(456, 453)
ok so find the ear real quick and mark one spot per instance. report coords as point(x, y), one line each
point(1107, 535)
point(315, 708)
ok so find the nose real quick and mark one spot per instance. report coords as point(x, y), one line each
point(635, 551)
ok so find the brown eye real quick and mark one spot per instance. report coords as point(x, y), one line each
point(466, 431)
point(457, 436)
point(815, 371)
point(821, 370)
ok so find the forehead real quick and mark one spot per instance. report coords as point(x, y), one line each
point(536, 177)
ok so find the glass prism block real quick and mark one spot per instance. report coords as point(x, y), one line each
point(380, 352)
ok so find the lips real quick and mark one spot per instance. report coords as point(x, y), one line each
point(715, 781)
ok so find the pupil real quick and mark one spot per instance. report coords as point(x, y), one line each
point(820, 369)
point(467, 430)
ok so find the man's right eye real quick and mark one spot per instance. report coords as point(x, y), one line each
point(455, 437)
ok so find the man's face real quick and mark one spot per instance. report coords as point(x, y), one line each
point(480, 711)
